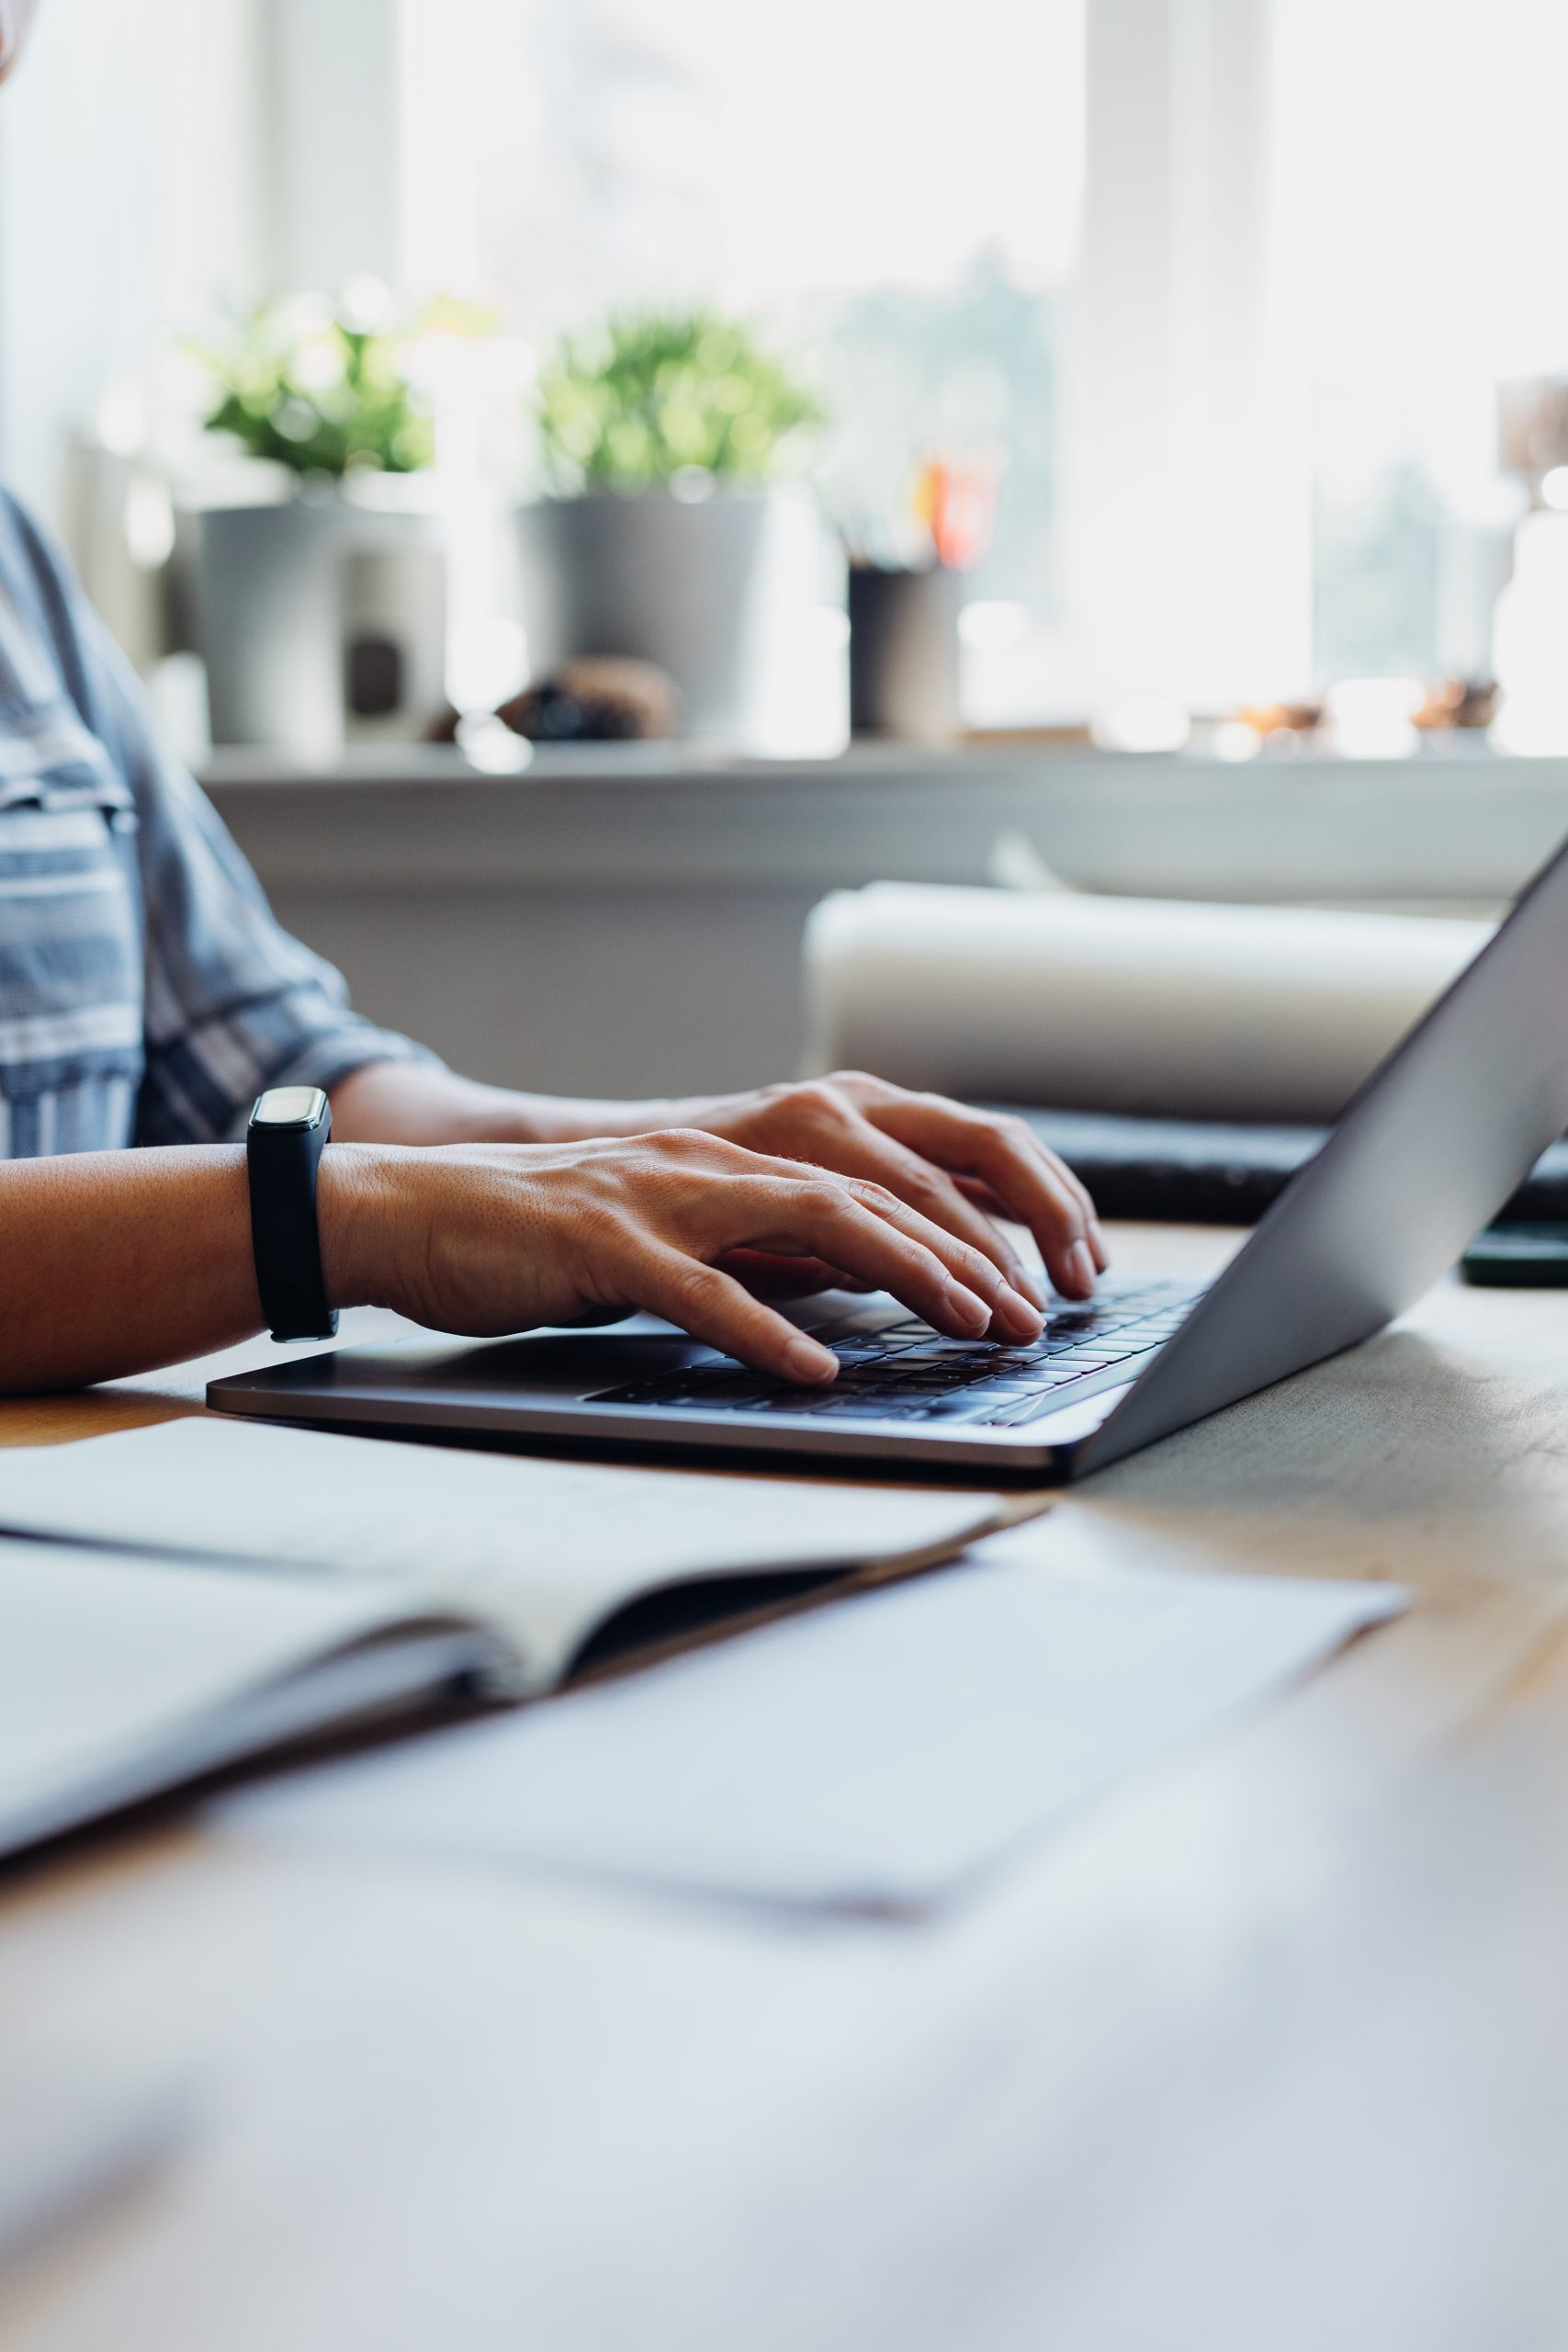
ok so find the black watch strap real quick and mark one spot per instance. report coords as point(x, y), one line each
point(289, 1127)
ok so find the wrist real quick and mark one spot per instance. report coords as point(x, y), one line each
point(356, 1190)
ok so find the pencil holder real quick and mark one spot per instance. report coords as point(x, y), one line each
point(903, 653)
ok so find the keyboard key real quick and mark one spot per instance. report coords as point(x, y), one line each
point(905, 1370)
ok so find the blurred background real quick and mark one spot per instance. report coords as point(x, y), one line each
point(1242, 324)
point(1118, 443)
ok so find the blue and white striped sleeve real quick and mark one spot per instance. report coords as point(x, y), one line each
point(234, 1003)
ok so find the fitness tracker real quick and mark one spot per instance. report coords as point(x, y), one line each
point(289, 1127)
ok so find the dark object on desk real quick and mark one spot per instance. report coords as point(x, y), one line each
point(903, 653)
point(1519, 1257)
point(598, 699)
point(1207, 1172)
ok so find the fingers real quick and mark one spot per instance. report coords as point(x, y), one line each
point(938, 1197)
point(713, 1306)
point(854, 1147)
point(892, 1107)
point(767, 1276)
point(870, 1233)
point(711, 1222)
point(1027, 1182)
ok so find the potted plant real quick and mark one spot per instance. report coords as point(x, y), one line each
point(668, 442)
point(320, 593)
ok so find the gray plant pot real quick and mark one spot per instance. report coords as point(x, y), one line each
point(704, 589)
point(321, 621)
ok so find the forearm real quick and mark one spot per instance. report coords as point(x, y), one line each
point(112, 1262)
point(116, 1262)
point(416, 1103)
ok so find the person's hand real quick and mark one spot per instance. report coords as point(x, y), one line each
point(960, 1168)
point(488, 1239)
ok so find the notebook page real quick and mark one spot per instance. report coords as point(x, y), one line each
point(105, 1657)
point(545, 1550)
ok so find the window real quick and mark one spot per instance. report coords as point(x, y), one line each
point(1231, 285)
point(1419, 252)
point(894, 191)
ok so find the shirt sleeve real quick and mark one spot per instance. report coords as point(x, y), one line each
point(234, 1003)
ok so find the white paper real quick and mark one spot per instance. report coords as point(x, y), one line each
point(76, 2131)
point(105, 1659)
point(1121, 1004)
point(545, 1550)
point(870, 1755)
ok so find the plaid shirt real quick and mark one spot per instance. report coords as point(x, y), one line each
point(146, 993)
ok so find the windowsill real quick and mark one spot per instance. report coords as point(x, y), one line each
point(1448, 757)
point(1439, 831)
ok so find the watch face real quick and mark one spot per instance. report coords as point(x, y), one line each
point(289, 1106)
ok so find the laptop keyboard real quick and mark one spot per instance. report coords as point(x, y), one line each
point(900, 1369)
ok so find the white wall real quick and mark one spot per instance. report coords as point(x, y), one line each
point(158, 157)
point(129, 196)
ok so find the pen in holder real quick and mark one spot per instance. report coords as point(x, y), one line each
point(904, 663)
point(904, 652)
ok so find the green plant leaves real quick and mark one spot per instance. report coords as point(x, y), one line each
point(311, 389)
point(650, 396)
point(645, 398)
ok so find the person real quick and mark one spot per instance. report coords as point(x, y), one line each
point(148, 997)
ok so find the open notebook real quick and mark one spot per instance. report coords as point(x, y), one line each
point(215, 1590)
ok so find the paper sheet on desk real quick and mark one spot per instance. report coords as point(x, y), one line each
point(76, 2131)
point(870, 1756)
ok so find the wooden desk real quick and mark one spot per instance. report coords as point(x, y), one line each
point(1269, 2050)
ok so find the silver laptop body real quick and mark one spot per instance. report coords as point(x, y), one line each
point(1426, 1154)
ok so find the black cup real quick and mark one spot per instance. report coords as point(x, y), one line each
point(903, 653)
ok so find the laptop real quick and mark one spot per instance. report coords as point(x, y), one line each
point(1426, 1153)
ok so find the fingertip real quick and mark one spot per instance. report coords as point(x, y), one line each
point(1068, 1274)
point(808, 1360)
point(1099, 1245)
point(1084, 1266)
point(1020, 1315)
point(973, 1312)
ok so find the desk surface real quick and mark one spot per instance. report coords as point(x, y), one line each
point(1271, 2049)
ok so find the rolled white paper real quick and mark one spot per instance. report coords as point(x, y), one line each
point(1145, 1005)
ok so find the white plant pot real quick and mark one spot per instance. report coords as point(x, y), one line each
point(710, 590)
point(323, 621)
